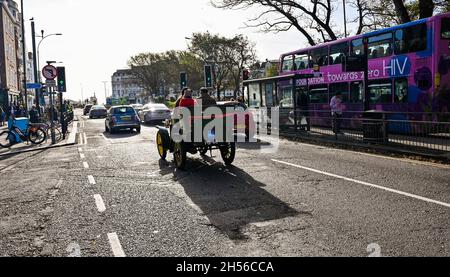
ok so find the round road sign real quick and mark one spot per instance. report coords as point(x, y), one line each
point(49, 72)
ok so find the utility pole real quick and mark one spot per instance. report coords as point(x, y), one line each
point(24, 62)
point(345, 18)
point(36, 74)
point(106, 91)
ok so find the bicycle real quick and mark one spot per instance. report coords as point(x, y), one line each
point(47, 127)
point(34, 134)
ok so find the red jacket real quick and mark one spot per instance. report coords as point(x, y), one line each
point(188, 102)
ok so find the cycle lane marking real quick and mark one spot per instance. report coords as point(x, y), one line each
point(116, 247)
point(100, 203)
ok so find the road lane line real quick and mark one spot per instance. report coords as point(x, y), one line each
point(86, 165)
point(91, 180)
point(107, 139)
point(80, 150)
point(99, 203)
point(116, 246)
point(366, 184)
point(82, 156)
point(85, 138)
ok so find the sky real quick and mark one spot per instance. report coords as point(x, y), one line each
point(99, 36)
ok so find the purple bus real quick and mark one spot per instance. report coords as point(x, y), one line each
point(409, 73)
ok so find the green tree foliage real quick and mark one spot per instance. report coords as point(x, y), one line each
point(228, 56)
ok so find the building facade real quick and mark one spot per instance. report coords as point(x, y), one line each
point(126, 89)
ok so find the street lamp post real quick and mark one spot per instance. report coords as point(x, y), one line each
point(39, 46)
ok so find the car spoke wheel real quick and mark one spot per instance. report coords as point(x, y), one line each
point(228, 152)
point(160, 143)
point(180, 155)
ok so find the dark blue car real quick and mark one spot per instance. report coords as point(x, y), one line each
point(122, 117)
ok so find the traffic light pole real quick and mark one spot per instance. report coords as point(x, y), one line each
point(52, 114)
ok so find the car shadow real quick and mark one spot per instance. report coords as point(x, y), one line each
point(228, 196)
point(121, 134)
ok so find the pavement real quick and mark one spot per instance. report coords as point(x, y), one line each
point(29, 147)
point(111, 195)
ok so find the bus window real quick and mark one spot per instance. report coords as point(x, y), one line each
point(288, 64)
point(254, 95)
point(411, 39)
point(356, 91)
point(401, 91)
point(301, 61)
point(380, 46)
point(269, 95)
point(357, 47)
point(319, 56)
point(380, 91)
point(286, 98)
point(445, 28)
point(338, 52)
point(342, 88)
point(318, 94)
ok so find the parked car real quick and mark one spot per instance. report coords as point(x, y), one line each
point(154, 112)
point(98, 112)
point(87, 109)
point(137, 107)
point(243, 121)
point(122, 117)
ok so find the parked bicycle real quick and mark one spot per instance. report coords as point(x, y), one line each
point(34, 134)
point(48, 130)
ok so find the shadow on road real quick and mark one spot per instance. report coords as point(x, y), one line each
point(228, 196)
point(122, 134)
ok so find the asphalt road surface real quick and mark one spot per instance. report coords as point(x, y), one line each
point(111, 195)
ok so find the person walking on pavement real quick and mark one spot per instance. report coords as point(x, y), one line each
point(34, 115)
point(2, 117)
point(336, 112)
point(206, 99)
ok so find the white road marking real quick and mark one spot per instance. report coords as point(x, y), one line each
point(107, 139)
point(116, 246)
point(82, 156)
point(100, 204)
point(91, 180)
point(405, 160)
point(85, 138)
point(366, 184)
point(80, 150)
point(86, 165)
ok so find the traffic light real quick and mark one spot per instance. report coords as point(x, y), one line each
point(61, 79)
point(183, 80)
point(245, 75)
point(208, 76)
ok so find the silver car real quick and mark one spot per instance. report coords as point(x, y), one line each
point(154, 112)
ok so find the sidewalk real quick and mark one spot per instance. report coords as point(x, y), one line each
point(29, 147)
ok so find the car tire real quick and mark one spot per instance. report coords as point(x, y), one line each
point(106, 128)
point(111, 131)
point(138, 130)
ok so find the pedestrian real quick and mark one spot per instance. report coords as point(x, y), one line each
point(336, 112)
point(34, 115)
point(303, 106)
point(2, 117)
point(206, 99)
point(12, 111)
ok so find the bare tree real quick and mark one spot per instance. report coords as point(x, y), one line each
point(313, 18)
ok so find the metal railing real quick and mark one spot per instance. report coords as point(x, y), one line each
point(424, 131)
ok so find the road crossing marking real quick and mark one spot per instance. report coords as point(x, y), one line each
point(91, 180)
point(99, 203)
point(116, 246)
point(366, 184)
point(86, 165)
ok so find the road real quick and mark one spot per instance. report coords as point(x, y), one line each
point(111, 195)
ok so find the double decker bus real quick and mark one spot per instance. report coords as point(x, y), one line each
point(409, 73)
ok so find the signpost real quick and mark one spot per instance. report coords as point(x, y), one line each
point(50, 73)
